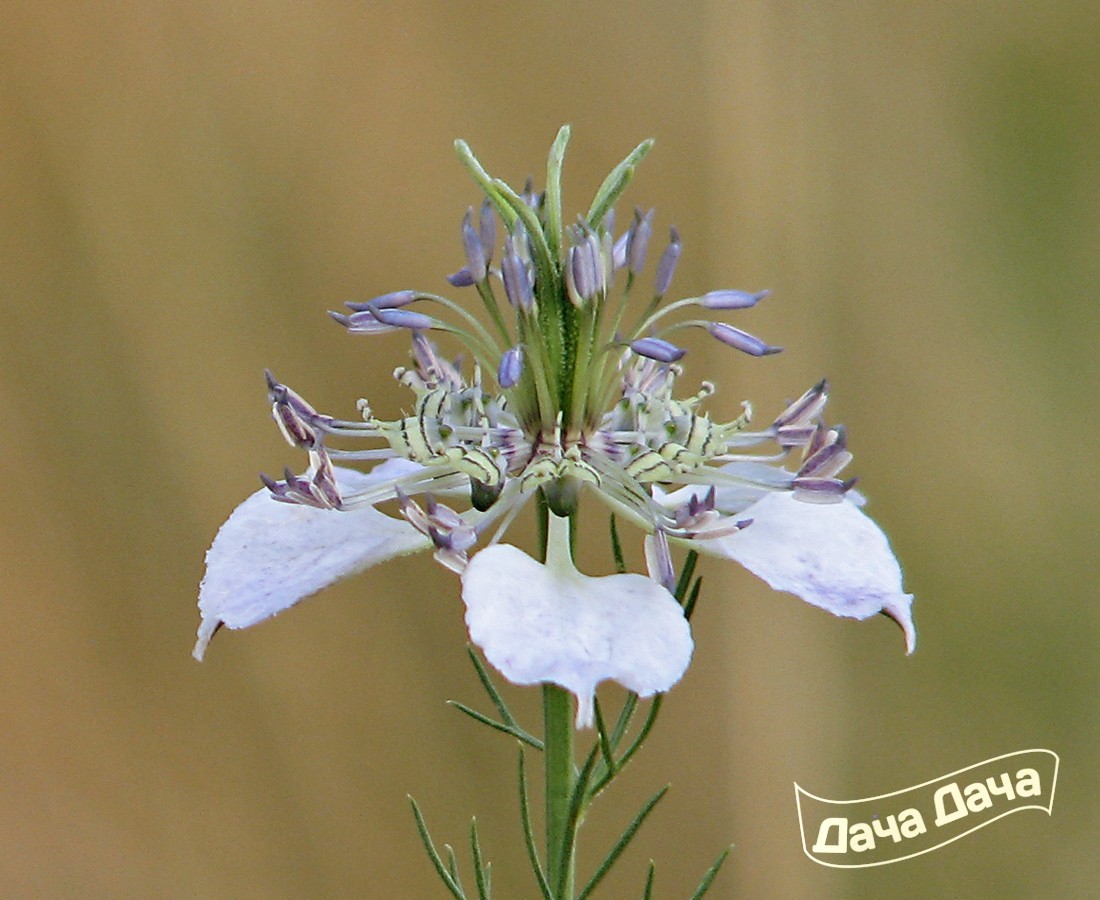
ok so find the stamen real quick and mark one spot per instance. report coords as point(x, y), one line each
point(297, 420)
point(476, 263)
point(364, 322)
point(728, 299)
point(511, 367)
point(517, 282)
point(403, 318)
point(637, 240)
point(392, 300)
point(806, 407)
point(487, 230)
point(657, 349)
point(659, 560)
point(830, 458)
point(739, 340)
point(461, 278)
point(666, 267)
point(821, 490)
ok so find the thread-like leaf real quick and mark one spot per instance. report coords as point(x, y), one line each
point(490, 689)
point(685, 575)
point(452, 866)
point(625, 716)
point(513, 730)
point(529, 832)
point(622, 843)
point(711, 874)
point(577, 804)
point(433, 855)
point(635, 746)
point(604, 742)
point(692, 599)
point(480, 873)
point(617, 548)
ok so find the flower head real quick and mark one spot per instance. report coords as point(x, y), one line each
point(572, 392)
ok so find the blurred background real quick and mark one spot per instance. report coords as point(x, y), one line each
point(186, 188)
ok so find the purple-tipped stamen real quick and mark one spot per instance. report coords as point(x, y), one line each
point(487, 230)
point(805, 408)
point(830, 458)
point(730, 299)
point(475, 252)
point(529, 195)
point(618, 251)
point(461, 278)
point(741, 340)
point(637, 242)
point(662, 561)
point(821, 490)
point(511, 367)
point(403, 318)
point(517, 283)
point(666, 267)
point(393, 300)
point(364, 322)
point(797, 424)
point(655, 348)
point(292, 414)
point(586, 266)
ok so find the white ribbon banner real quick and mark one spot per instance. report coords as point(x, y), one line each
point(874, 831)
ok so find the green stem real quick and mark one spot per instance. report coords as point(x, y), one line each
point(557, 714)
point(557, 707)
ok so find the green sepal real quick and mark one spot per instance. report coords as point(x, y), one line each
point(553, 192)
point(616, 182)
point(485, 182)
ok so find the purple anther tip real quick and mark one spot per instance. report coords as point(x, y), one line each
point(517, 284)
point(741, 340)
point(618, 251)
point(393, 300)
point(638, 241)
point(403, 318)
point(666, 267)
point(732, 299)
point(655, 348)
point(475, 251)
point(511, 367)
point(461, 278)
point(487, 230)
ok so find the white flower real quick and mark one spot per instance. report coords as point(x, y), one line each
point(583, 404)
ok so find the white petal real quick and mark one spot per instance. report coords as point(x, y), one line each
point(269, 555)
point(551, 623)
point(831, 555)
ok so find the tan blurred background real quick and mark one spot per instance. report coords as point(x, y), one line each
point(186, 188)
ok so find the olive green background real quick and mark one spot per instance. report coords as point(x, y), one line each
point(185, 188)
